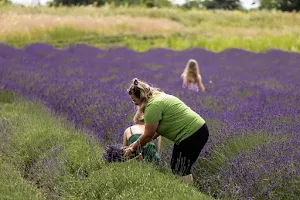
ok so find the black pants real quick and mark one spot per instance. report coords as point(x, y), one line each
point(187, 151)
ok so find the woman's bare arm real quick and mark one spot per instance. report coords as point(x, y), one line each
point(158, 143)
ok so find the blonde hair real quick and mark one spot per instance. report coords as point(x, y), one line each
point(191, 68)
point(143, 92)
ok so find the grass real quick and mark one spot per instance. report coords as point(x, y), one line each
point(13, 186)
point(62, 37)
point(142, 28)
point(44, 157)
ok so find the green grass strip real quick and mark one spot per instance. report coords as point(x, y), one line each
point(13, 186)
point(63, 36)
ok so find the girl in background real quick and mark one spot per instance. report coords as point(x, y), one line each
point(191, 77)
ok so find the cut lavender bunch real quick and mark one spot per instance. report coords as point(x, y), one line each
point(113, 153)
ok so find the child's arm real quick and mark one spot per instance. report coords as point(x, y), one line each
point(185, 82)
point(200, 84)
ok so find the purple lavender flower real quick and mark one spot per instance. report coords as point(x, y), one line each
point(249, 97)
point(113, 153)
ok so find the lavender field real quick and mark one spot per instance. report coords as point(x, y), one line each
point(251, 105)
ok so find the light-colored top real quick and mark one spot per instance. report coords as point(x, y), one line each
point(193, 87)
point(177, 121)
point(192, 84)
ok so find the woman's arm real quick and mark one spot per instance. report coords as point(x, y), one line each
point(158, 143)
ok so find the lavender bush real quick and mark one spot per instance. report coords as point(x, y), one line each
point(251, 106)
point(113, 153)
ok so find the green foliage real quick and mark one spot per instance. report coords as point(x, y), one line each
point(63, 37)
point(4, 3)
point(222, 4)
point(6, 96)
point(146, 3)
point(13, 186)
point(283, 5)
point(75, 2)
point(213, 4)
point(229, 149)
point(268, 4)
point(192, 4)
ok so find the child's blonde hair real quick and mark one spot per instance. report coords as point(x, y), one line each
point(143, 92)
point(191, 68)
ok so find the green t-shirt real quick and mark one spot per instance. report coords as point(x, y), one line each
point(176, 120)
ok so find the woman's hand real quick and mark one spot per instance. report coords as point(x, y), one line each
point(139, 157)
point(128, 151)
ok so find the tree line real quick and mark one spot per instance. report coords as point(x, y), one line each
point(283, 5)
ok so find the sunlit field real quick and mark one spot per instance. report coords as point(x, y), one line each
point(63, 79)
point(141, 28)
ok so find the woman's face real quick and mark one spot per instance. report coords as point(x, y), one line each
point(135, 100)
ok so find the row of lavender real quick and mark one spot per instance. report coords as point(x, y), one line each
point(247, 94)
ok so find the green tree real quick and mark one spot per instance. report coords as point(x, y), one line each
point(75, 2)
point(147, 3)
point(3, 2)
point(222, 4)
point(283, 5)
point(191, 4)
